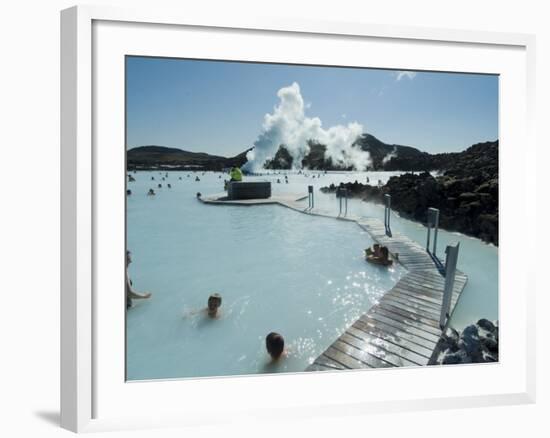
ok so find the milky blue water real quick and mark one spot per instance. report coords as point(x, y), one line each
point(276, 269)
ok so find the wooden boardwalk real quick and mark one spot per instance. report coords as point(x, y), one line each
point(402, 329)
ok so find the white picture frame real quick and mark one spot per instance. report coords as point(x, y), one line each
point(93, 396)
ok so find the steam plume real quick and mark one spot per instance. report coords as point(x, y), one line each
point(289, 126)
point(389, 156)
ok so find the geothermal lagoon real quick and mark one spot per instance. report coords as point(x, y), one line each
point(276, 270)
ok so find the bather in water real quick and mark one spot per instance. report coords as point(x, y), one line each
point(131, 294)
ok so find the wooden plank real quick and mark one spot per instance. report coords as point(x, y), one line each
point(416, 298)
point(390, 347)
point(424, 293)
point(363, 356)
point(418, 325)
point(319, 367)
point(344, 359)
point(420, 296)
point(411, 307)
point(327, 362)
point(393, 334)
point(418, 353)
point(428, 294)
point(437, 280)
point(433, 289)
point(386, 305)
point(403, 326)
point(374, 348)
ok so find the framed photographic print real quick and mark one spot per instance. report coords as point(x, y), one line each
point(264, 208)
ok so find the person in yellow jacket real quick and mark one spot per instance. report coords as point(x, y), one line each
point(236, 174)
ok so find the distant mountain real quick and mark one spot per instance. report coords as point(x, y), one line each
point(384, 156)
point(393, 156)
point(147, 157)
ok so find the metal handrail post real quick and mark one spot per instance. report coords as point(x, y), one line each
point(436, 229)
point(387, 211)
point(346, 201)
point(450, 270)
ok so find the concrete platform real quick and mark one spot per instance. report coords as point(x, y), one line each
point(290, 201)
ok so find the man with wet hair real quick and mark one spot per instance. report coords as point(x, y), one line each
point(214, 303)
point(275, 345)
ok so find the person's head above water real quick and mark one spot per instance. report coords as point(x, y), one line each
point(214, 302)
point(128, 257)
point(275, 345)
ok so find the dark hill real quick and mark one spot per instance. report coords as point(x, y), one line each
point(148, 157)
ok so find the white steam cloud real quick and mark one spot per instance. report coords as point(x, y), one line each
point(289, 126)
point(389, 156)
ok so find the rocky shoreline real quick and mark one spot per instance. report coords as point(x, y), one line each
point(477, 343)
point(466, 193)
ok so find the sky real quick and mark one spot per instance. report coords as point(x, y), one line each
point(219, 107)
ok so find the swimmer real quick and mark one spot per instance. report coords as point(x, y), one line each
point(214, 303)
point(160, 186)
point(383, 259)
point(374, 251)
point(169, 186)
point(275, 345)
point(128, 192)
point(151, 192)
point(131, 294)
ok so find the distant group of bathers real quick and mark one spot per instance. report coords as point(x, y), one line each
point(151, 192)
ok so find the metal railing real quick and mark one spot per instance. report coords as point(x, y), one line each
point(310, 198)
point(433, 222)
point(450, 271)
point(387, 213)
